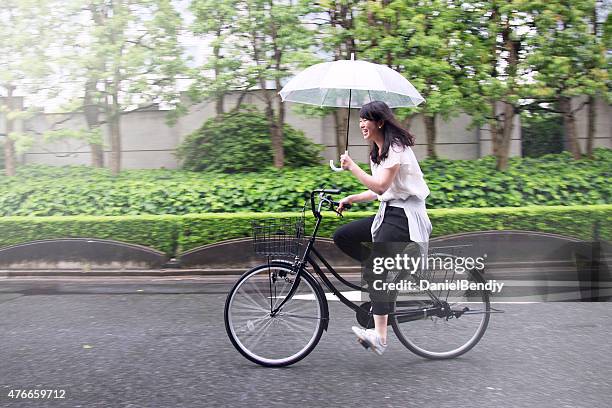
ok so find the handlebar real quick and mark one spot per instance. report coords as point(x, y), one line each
point(326, 191)
point(324, 195)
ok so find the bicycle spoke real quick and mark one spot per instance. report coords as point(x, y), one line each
point(284, 337)
point(258, 333)
point(248, 297)
point(296, 327)
point(456, 331)
point(301, 316)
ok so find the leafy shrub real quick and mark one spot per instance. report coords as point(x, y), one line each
point(80, 190)
point(154, 231)
point(175, 234)
point(584, 222)
point(240, 141)
point(541, 134)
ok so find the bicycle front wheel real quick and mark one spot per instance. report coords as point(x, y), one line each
point(270, 338)
point(456, 330)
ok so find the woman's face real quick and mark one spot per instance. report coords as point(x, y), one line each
point(369, 129)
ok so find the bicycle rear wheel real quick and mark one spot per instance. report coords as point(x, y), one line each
point(279, 339)
point(454, 331)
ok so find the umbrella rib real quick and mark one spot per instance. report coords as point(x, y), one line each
point(324, 96)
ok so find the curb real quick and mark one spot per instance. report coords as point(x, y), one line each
point(141, 272)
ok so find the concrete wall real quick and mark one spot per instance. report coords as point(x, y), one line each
point(603, 123)
point(148, 142)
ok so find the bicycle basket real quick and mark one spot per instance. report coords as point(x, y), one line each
point(278, 236)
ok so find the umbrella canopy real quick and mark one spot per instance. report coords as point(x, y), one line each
point(350, 84)
point(339, 83)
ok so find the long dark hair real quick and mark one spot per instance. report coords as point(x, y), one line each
point(393, 132)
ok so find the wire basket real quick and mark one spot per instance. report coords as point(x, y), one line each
point(278, 236)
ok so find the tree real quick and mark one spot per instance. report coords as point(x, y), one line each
point(568, 59)
point(335, 23)
point(257, 45)
point(129, 60)
point(217, 18)
point(416, 39)
point(24, 39)
point(491, 51)
point(598, 24)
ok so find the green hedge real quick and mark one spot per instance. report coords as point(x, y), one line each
point(175, 234)
point(157, 232)
point(548, 180)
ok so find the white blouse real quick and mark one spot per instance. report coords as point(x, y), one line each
point(408, 190)
point(409, 180)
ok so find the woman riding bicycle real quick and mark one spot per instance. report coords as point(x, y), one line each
point(397, 182)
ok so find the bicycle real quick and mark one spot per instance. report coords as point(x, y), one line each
point(276, 312)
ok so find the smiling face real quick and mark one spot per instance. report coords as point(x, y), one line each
point(370, 129)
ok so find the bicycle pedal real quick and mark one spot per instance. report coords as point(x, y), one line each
point(364, 344)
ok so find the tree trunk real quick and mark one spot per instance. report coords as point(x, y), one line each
point(494, 130)
point(569, 126)
point(9, 156)
point(279, 123)
point(407, 122)
point(9, 144)
point(340, 123)
point(430, 131)
point(97, 155)
point(280, 126)
point(592, 117)
point(219, 105)
point(275, 135)
point(219, 100)
point(505, 138)
point(113, 115)
point(92, 117)
point(115, 139)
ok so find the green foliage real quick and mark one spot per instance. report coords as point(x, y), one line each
point(541, 134)
point(176, 234)
point(414, 37)
point(547, 180)
point(568, 59)
point(88, 135)
point(252, 42)
point(240, 141)
point(158, 232)
point(79, 190)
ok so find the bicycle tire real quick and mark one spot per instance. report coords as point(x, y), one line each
point(440, 338)
point(283, 339)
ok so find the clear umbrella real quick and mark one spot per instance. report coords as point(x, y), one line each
point(350, 84)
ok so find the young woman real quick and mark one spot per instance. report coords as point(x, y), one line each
point(397, 182)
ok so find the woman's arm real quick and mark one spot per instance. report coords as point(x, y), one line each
point(378, 184)
point(357, 198)
point(367, 195)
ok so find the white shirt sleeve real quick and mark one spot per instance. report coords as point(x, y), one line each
point(394, 157)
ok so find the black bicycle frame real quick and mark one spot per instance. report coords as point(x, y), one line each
point(306, 258)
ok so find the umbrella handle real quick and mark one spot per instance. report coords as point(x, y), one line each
point(333, 166)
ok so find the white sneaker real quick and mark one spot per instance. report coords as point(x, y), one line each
point(369, 339)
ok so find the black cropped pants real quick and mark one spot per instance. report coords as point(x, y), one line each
point(350, 238)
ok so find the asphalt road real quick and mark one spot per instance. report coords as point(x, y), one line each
point(162, 343)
